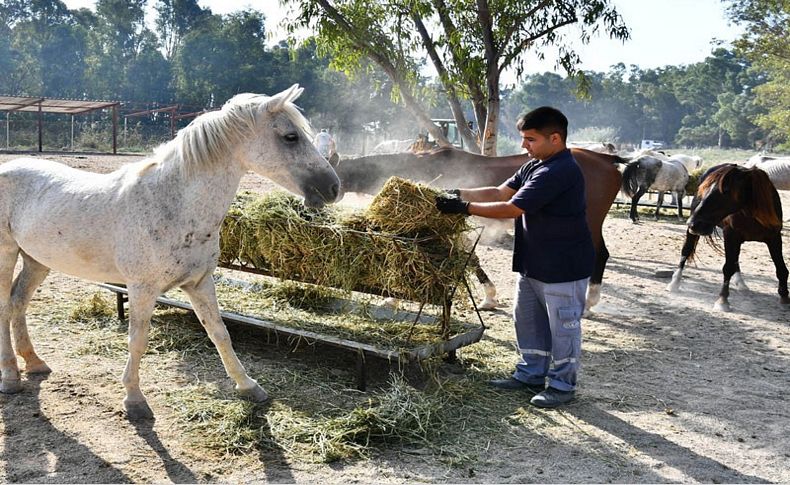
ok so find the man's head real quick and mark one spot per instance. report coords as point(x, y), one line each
point(324, 130)
point(543, 132)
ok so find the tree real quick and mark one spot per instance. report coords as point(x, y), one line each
point(469, 43)
point(766, 43)
point(175, 18)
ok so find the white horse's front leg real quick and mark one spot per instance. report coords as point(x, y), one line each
point(674, 285)
point(204, 300)
point(142, 300)
point(490, 302)
point(9, 369)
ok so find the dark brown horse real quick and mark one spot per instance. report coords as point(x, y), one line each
point(450, 168)
point(745, 204)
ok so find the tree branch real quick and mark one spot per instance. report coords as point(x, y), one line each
point(524, 44)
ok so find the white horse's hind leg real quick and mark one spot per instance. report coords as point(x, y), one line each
point(9, 383)
point(32, 275)
point(142, 300)
point(204, 301)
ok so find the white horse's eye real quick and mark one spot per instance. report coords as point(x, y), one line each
point(291, 137)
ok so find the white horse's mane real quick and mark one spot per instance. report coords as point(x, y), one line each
point(209, 137)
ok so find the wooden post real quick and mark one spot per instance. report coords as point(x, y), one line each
point(72, 132)
point(7, 129)
point(114, 129)
point(40, 128)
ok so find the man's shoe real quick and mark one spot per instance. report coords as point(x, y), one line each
point(552, 398)
point(511, 384)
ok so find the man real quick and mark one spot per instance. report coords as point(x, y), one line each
point(553, 255)
point(325, 144)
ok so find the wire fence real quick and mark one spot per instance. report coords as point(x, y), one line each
point(83, 133)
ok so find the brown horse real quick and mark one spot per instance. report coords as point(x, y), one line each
point(449, 168)
point(745, 204)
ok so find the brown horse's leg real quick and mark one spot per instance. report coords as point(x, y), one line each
point(689, 246)
point(775, 248)
point(594, 288)
point(732, 250)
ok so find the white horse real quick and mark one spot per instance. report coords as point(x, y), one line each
point(153, 225)
point(691, 162)
point(777, 168)
point(391, 146)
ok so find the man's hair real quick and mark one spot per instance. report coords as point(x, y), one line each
point(546, 120)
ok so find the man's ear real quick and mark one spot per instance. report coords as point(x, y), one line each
point(555, 138)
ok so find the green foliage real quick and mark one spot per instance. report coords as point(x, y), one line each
point(766, 43)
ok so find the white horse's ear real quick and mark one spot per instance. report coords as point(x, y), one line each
point(278, 100)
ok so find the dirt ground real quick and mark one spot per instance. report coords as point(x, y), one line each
point(670, 390)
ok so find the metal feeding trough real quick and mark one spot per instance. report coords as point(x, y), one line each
point(405, 358)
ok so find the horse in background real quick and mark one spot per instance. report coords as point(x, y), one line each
point(745, 204)
point(777, 168)
point(449, 168)
point(151, 225)
point(651, 172)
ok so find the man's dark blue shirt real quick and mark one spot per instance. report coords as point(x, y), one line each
point(552, 240)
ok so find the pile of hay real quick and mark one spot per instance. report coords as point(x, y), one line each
point(400, 247)
point(693, 184)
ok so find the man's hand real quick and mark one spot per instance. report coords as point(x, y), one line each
point(447, 204)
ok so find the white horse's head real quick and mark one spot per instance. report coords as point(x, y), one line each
point(282, 149)
point(269, 136)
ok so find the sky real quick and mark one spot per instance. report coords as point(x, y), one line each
point(663, 32)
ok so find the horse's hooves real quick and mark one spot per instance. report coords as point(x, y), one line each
point(10, 386)
point(254, 394)
point(40, 368)
point(138, 411)
point(784, 300)
point(722, 307)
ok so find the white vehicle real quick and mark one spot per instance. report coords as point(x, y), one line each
point(651, 144)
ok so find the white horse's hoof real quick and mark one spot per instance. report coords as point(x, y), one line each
point(722, 306)
point(137, 410)
point(10, 386)
point(38, 368)
point(488, 304)
point(254, 394)
point(673, 288)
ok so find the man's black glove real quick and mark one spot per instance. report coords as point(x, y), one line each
point(452, 205)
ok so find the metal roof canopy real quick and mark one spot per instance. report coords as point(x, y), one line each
point(51, 105)
point(72, 107)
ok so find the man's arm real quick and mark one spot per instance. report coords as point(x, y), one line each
point(488, 194)
point(491, 202)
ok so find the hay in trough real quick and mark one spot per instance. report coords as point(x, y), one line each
point(693, 184)
point(406, 208)
point(401, 247)
point(95, 307)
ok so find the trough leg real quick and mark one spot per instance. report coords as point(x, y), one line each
point(204, 301)
point(32, 275)
point(120, 299)
point(362, 371)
